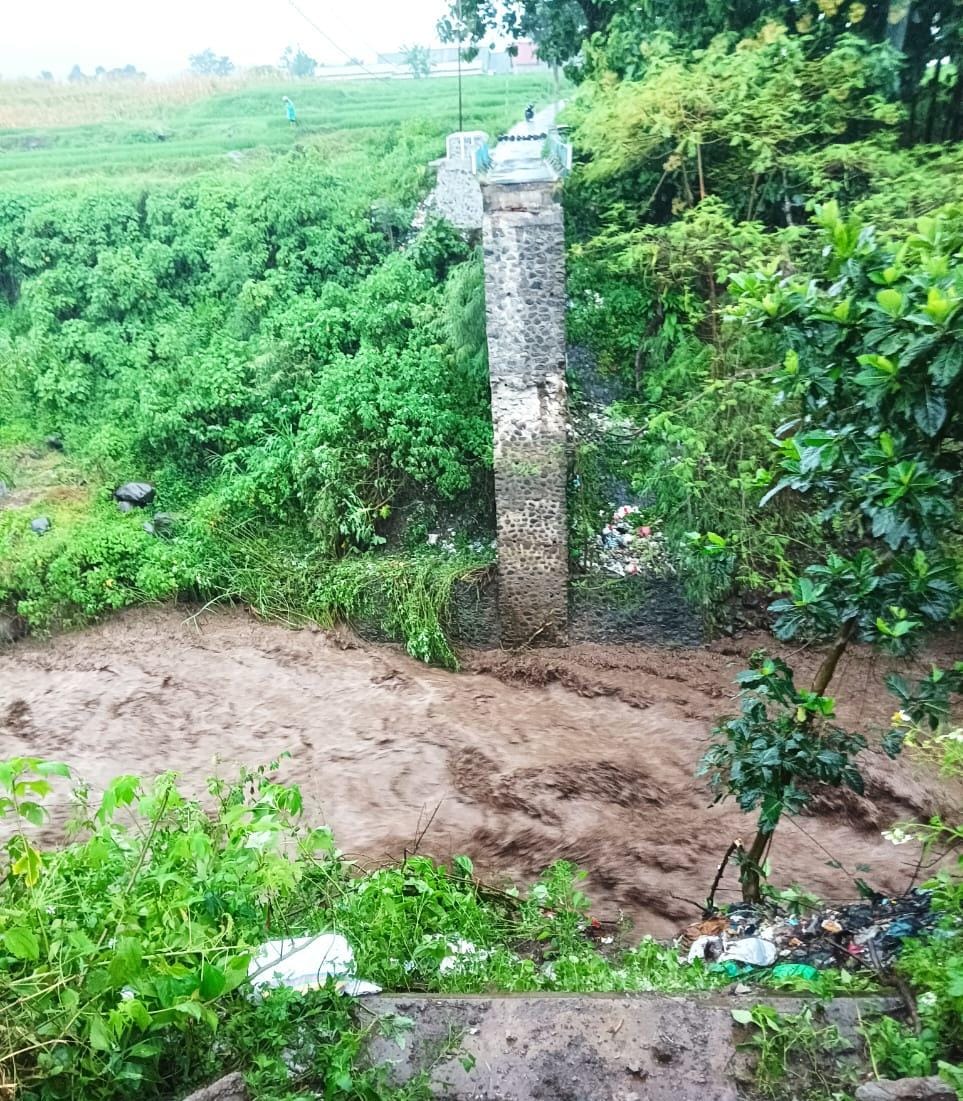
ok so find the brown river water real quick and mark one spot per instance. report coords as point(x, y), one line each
point(585, 754)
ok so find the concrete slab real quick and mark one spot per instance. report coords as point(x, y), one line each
point(581, 1047)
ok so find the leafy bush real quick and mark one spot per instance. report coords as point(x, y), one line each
point(85, 567)
point(877, 449)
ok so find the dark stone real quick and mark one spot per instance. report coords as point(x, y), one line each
point(229, 1088)
point(906, 1089)
point(40, 525)
point(138, 494)
point(55, 443)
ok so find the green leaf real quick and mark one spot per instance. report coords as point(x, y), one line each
point(21, 943)
point(28, 865)
point(99, 1034)
point(213, 982)
point(930, 411)
point(946, 365)
point(890, 300)
point(52, 768)
point(742, 1016)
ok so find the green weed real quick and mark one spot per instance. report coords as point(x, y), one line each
point(795, 1057)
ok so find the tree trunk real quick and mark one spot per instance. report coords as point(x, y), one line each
point(750, 875)
point(827, 670)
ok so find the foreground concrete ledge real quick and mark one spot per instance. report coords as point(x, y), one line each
point(574, 1047)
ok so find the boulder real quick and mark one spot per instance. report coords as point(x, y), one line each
point(906, 1089)
point(40, 525)
point(138, 494)
point(229, 1088)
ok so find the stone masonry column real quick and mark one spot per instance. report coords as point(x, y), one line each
point(525, 310)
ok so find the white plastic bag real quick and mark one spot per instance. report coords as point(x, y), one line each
point(306, 963)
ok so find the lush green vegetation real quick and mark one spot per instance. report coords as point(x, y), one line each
point(124, 954)
point(77, 132)
point(764, 267)
point(766, 260)
point(267, 343)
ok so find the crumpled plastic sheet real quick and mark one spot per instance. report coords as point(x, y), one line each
point(308, 963)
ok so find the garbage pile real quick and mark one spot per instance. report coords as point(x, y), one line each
point(866, 934)
point(627, 546)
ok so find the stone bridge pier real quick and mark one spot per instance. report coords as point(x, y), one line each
point(523, 236)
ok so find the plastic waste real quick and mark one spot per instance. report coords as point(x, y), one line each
point(794, 971)
point(706, 948)
point(751, 950)
point(307, 963)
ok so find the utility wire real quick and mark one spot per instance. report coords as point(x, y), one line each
point(327, 37)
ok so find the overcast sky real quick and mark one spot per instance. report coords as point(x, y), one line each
point(158, 35)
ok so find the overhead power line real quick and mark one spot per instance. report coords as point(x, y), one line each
point(327, 37)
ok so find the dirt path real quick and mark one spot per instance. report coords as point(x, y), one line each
point(585, 754)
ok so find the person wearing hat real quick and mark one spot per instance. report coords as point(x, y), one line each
point(290, 111)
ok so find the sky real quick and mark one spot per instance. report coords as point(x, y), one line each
point(157, 36)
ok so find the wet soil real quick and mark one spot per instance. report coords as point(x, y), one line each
point(586, 753)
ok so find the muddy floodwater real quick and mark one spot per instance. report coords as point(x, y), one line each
point(585, 754)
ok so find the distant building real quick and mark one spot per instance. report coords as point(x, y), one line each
point(526, 58)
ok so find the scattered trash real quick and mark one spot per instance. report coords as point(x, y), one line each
point(626, 547)
point(446, 542)
point(40, 525)
point(138, 494)
point(868, 933)
point(306, 963)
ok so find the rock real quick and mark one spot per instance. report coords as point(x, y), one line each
point(40, 525)
point(906, 1089)
point(55, 443)
point(229, 1088)
point(124, 506)
point(138, 494)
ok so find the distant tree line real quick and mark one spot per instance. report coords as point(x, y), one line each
point(78, 76)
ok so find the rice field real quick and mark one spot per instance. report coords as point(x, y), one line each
point(54, 132)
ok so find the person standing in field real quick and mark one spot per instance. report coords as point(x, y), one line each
point(290, 111)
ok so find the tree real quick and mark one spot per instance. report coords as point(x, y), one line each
point(208, 63)
point(873, 383)
point(76, 75)
point(418, 59)
point(557, 27)
point(46, 75)
point(298, 63)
